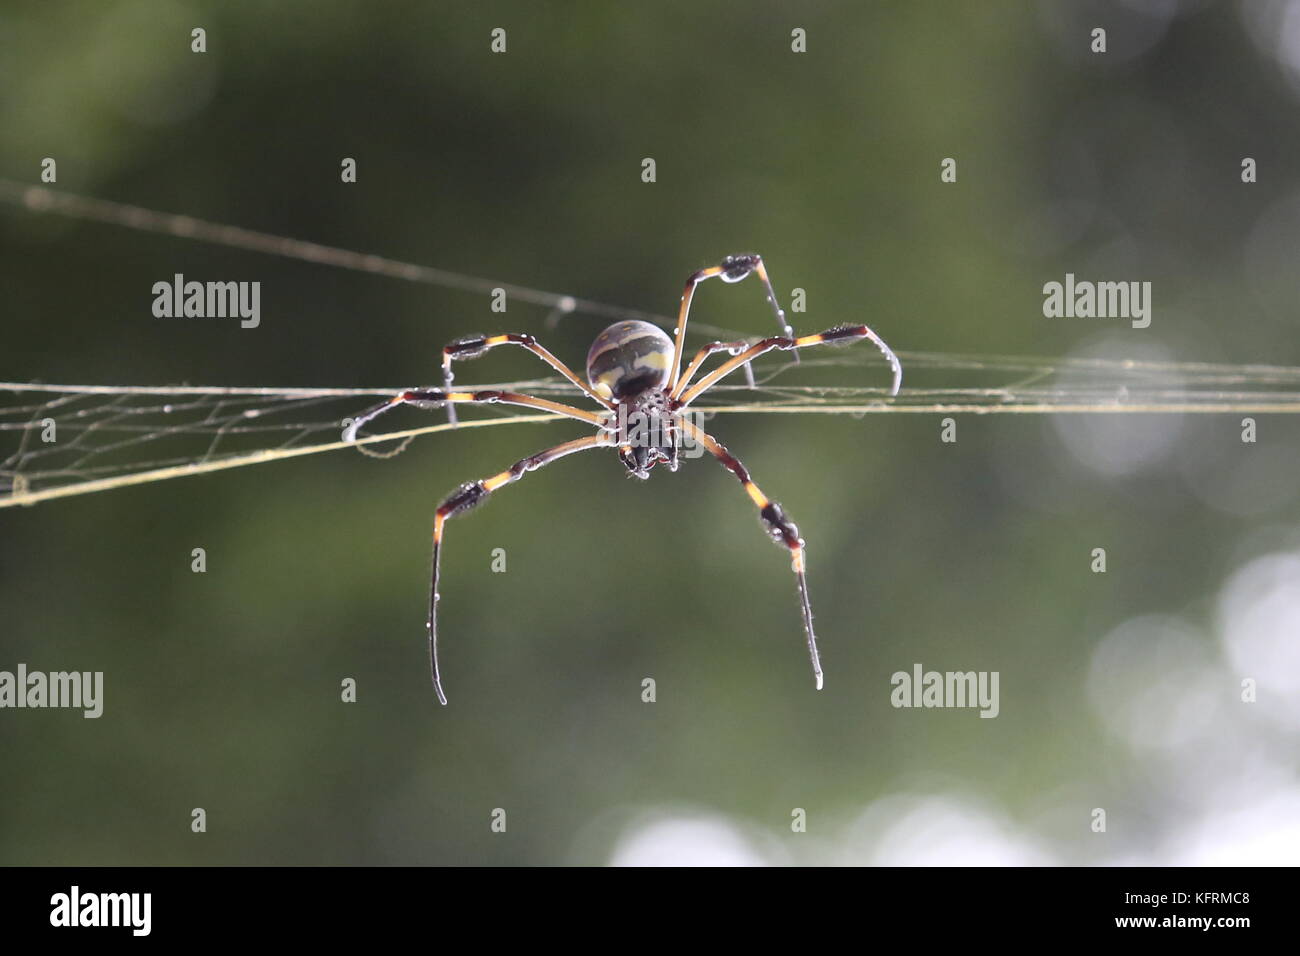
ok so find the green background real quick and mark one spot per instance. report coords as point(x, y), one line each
point(222, 689)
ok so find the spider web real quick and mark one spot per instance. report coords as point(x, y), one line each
point(62, 440)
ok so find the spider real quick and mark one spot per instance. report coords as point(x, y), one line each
point(634, 374)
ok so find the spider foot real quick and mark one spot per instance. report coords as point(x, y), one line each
point(735, 268)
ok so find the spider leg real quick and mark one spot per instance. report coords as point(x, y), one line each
point(735, 348)
point(470, 495)
point(473, 346)
point(779, 527)
point(840, 334)
point(436, 398)
point(732, 269)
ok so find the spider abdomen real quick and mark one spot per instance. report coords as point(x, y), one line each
point(629, 358)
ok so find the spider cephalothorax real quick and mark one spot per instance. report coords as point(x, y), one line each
point(648, 433)
point(634, 372)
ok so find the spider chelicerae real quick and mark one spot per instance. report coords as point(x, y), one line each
point(634, 374)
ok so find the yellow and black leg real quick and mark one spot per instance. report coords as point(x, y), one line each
point(735, 348)
point(470, 495)
point(437, 398)
point(473, 346)
point(779, 527)
point(840, 335)
point(732, 269)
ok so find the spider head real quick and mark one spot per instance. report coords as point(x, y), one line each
point(639, 459)
point(629, 359)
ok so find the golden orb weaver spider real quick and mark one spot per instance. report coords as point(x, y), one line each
point(634, 372)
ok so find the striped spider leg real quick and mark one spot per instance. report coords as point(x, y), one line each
point(743, 353)
point(438, 398)
point(473, 493)
point(732, 269)
point(782, 530)
point(779, 526)
point(473, 346)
